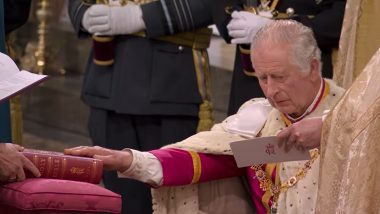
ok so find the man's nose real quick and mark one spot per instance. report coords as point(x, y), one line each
point(272, 88)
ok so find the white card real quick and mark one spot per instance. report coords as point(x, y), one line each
point(263, 150)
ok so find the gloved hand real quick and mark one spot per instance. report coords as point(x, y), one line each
point(102, 19)
point(244, 26)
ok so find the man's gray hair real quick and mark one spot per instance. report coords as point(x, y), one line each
point(300, 39)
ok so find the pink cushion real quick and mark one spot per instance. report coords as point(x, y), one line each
point(51, 195)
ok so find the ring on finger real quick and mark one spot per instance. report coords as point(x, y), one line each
point(13, 178)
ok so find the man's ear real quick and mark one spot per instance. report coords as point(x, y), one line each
point(315, 69)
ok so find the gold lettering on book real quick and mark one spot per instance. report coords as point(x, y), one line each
point(49, 167)
point(77, 170)
point(64, 167)
point(94, 170)
point(35, 160)
point(56, 167)
point(42, 165)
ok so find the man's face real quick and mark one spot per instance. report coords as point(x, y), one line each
point(286, 87)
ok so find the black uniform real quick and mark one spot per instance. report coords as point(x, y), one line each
point(324, 17)
point(149, 97)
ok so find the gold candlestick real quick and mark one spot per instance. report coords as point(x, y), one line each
point(43, 14)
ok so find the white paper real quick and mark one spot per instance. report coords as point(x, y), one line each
point(12, 80)
point(264, 150)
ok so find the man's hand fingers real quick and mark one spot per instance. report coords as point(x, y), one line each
point(20, 174)
point(28, 165)
point(77, 147)
point(236, 25)
point(235, 14)
point(69, 151)
point(282, 137)
point(244, 40)
point(117, 160)
point(108, 161)
point(237, 33)
point(300, 147)
point(99, 21)
point(100, 29)
point(98, 10)
point(290, 141)
point(18, 147)
point(78, 151)
point(88, 151)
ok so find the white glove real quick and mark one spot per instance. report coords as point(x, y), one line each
point(244, 26)
point(102, 19)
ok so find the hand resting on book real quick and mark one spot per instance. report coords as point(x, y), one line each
point(13, 163)
point(112, 159)
point(56, 165)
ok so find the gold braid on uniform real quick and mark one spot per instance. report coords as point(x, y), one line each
point(202, 69)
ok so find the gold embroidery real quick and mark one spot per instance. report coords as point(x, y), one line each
point(274, 190)
point(264, 185)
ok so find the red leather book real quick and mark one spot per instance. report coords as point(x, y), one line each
point(66, 167)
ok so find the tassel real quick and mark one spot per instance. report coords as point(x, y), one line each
point(206, 120)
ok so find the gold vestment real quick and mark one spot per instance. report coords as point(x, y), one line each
point(350, 148)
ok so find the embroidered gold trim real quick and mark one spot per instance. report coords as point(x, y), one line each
point(267, 195)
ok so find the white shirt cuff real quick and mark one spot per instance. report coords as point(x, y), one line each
point(145, 167)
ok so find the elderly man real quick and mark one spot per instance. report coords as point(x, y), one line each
point(288, 66)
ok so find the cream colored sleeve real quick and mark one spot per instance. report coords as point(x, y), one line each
point(145, 167)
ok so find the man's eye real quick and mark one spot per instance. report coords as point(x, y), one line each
point(278, 77)
point(263, 78)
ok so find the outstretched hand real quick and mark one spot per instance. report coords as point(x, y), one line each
point(13, 163)
point(305, 134)
point(112, 159)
